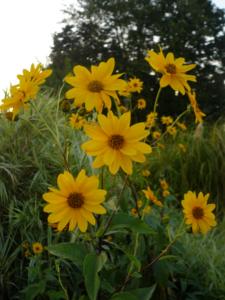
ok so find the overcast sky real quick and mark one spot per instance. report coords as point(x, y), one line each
point(26, 29)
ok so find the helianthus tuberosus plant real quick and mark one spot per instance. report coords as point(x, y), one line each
point(107, 220)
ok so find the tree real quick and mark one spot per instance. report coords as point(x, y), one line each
point(126, 29)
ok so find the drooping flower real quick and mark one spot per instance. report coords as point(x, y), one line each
point(198, 113)
point(173, 70)
point(150, 196)
point(95, 87)
point(197, 212)
point(141, 103)
point(75, 202)
point(37, 248)
point(115, 143)
point(135, 85)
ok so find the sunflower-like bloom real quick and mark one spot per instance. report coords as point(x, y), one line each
point(75, 202)
point(25, 90)
point(37, 248)
point(173, 70)
point(151, 119)
point(198, 113)
point(197, 212)
point(166, 120)
point(150, 196)
point(19, 96)
point(116, 143)
point(96, 87)
point(135, 85)
point(36, 75)
point(141, 103)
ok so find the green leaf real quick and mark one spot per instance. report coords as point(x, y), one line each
point(122, 220)
point(73, 252)
point(33, 290)
point(93, 263)
point(137, 294)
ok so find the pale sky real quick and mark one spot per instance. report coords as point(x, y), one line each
point(26, 29)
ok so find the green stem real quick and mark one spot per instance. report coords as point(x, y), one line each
point(156, 100)
point(60, 281)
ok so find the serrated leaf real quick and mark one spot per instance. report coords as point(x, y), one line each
point(122, 220)
point(73, 252)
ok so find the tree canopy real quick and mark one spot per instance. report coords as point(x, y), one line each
point(126, 29)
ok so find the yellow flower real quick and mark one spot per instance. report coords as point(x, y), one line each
point(19, 96)
point(198, 113)
point(116, 143)
point(139, 203)
point(147, 210)
point(26, 90)
point(146, 173)
point(150, 196)
point(36, 75)
point(156, 135)
point(173, 70)
point(125, 92)
point(165, 193)
point(151, 117)
point(197, 212)
point(141, 103)
point(95, 87)
point(182, 147)
point(37, 248)
point(135, 85)
point(171, 130)
point(166, 120)
point(182, 126)
point(164, 185)
point(134, 212)
point(77, 121)
point(75, 202)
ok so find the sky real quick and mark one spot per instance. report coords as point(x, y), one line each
point(26, 30)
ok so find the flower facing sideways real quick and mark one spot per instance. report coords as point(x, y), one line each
point(95, 87)
point(197, 212)
point(115, 143)
point(173, 70)
point(75, 202)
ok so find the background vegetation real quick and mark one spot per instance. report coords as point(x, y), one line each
point(96, 30)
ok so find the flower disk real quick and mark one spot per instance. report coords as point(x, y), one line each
point(197, 212)
point(115, 143)
point(173, 70)
point(96, 87)
point(75, 202)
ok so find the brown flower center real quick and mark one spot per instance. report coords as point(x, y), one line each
point(198, 212)
point(171, 68)
point(75, 200)
point(95, 86)
point(116, 141)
